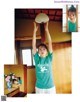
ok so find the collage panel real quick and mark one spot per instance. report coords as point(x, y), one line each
point(42, 77)
point(71, 18)
point(15, 80)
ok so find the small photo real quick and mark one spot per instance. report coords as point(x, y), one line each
point(71, 18)
point(15, 80)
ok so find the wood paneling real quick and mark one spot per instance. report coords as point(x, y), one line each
point(25, 78)
point(18, 52)
point(62, 67)
point(31, 80)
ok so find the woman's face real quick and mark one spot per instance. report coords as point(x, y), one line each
point(8, 78)
point(72, 15)
point(42, 51)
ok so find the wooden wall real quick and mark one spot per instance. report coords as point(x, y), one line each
point(24, 28)
point(62, 67)
point(6, 72)
point(31, 79)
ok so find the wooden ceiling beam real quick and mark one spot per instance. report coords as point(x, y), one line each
point(26, 38)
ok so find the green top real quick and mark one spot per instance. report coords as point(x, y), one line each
point(71, 26)
point(44, 77)
point(20, 81)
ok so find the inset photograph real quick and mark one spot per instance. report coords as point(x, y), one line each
point(71, 18)
point(15, 80)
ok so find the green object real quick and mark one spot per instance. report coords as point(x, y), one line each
point(71, 26)
point(20, 81)
point(44, 77)
point(72, 8)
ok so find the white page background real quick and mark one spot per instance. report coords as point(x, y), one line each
point(7, 50)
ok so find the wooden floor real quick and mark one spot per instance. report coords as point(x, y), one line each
point(20, 94)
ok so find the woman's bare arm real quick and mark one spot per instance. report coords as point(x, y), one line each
point(34, 38)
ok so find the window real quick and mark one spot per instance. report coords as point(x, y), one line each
point(27, 57)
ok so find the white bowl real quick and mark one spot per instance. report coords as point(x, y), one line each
point(41, 18)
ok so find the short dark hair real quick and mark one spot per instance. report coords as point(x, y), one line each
point(19, 78)
point(72, 9)
point(43, 45)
